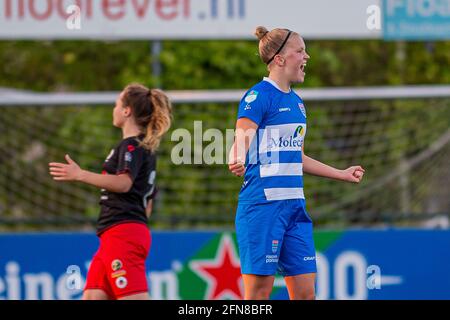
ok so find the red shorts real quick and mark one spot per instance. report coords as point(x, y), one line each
point(118, 267)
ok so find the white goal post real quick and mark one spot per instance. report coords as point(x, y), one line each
point(17, 97)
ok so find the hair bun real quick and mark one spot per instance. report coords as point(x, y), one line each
point(261, 32)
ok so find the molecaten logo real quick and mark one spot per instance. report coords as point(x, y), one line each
point(293, 141)
point(290, 142)
point(299, 131)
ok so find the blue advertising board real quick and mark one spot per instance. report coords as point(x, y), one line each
point(416, 19)
point(356, 264)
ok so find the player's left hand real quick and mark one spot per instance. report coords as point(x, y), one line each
point(353, 174)
point(237, 167)
point(65, 172)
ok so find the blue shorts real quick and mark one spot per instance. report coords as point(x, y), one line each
point(275, 236)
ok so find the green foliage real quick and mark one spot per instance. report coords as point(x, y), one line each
point(92, 66)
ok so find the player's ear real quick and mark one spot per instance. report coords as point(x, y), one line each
point(127, 111)
point(279, 60)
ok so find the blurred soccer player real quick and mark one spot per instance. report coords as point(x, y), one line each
point(274, 231)
point(127, 187)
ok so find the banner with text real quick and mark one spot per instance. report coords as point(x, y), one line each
point(416, 19)
point(182, 19)
point(393, 264)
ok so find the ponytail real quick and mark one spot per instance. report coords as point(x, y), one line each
point(160, 119)
point(152, 112)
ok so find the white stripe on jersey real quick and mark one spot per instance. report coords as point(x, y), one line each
point(284, 193)
point(281, 169)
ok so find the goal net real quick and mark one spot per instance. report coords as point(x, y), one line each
point(403, 144)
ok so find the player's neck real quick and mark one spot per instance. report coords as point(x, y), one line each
point(283, 84)
point(130, 130)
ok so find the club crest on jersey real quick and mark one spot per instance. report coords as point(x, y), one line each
point(128, 157)
point(302, 109)
point(251, 96)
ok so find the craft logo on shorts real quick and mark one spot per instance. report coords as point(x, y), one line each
point(274, 246)
point(116, 265)
point(121, 282)
point(251, 96)
point(309, 258)
point(302, 109)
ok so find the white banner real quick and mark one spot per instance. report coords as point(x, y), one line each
point(184, 19)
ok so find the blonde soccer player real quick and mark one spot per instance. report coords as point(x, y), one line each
point(274, 230)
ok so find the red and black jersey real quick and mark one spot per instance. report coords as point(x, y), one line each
point(128, 157)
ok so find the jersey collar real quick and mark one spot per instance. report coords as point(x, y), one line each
point(275, 84)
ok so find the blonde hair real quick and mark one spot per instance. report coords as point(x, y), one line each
point(152, 112)
point(270, 42)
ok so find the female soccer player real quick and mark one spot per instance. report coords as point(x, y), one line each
point(127, 188)
point(274, 231)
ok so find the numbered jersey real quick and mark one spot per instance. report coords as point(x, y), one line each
point(132, 159)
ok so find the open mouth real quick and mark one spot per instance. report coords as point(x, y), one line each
point(303, 67)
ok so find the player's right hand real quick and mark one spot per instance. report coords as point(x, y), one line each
point(237, 167)
point(69, 171)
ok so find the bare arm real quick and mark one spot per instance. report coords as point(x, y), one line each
point(72, 172)
point(245, 132)
point(317, 168)
point(148, 209)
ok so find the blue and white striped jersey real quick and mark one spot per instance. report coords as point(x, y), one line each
point(274, 168)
